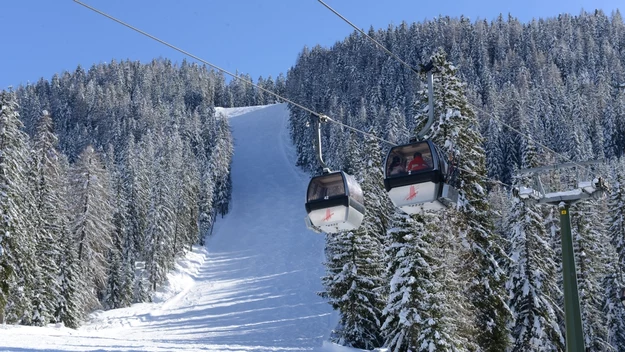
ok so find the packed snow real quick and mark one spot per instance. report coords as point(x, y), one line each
point(252, 288)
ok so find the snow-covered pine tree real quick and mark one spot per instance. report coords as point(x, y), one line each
point(206, 210)
point(396, 130)
point(135, 188)
point(612, 307)
point(191, 195)
point(351, 150)
point(220, 160)
point(455, 129)
point(194, 147)
point(127, 294)
point(260, 97)
point(175, 172)
point(53, 217)
point(616, 224)
point(352, 277)
point(590, 245)
point(415, 311)
point(92, 223)
point(160, 213)
point(184, 168)
point(271, 86)
point(112, 297)
point(118, 290)
point(494, 154)
point(69, 305)
point(532, 282)
point(28, 303)
point(16, 242)
point(207, 213)
point(453, 309)
point(371, 180)
point(280, 85)
point(140, 182)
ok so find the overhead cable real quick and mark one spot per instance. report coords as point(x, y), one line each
point(321, 117)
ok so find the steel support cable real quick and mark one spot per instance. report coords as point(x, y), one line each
point(322, 117)
point(368, 36)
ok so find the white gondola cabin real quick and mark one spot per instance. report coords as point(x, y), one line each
point(415, 177)
point(334, 202)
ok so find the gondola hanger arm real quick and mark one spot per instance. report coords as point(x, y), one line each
point(428, 68)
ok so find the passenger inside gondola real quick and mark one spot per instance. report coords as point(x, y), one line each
point(408, 159)
point(396, 167)
point(417, 163)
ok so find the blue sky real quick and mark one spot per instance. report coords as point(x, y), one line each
point(44, 37)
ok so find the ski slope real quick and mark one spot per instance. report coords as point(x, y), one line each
point(253, 288)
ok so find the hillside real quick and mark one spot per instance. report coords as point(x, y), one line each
point(252, 288)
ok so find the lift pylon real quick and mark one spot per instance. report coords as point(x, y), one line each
point(594, 188)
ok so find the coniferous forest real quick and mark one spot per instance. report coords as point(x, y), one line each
point(106, 176)
point(94, 211)
point(507, 95)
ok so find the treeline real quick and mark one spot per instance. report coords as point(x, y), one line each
point(565, 75)
point(106, 176)
point(487, 275)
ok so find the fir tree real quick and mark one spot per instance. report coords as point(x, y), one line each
point(395, 128)
point(616, 224)
point(613, 286)
point(16, 204)
point(455, 129)
point(592, 261)
point(220, 160)
point(49, 194)
point(28, 302)
point(350, 286)
point(415, 310)
point(70, 302)
point(160, 215)
point(135, 183)
point(118, 290)
point(92, 224)
point(70, 305)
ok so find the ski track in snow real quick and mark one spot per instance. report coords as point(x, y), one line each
point(253, 288)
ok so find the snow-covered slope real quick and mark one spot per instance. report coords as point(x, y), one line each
point(253, 288)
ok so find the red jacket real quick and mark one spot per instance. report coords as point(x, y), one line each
point(417, 164)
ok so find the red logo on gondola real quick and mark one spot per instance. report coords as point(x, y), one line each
point(413, 193)
point(328, 215)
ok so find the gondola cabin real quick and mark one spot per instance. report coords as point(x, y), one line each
point(334, 202)
point(415, 177)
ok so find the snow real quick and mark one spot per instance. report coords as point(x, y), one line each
point(252, 288)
